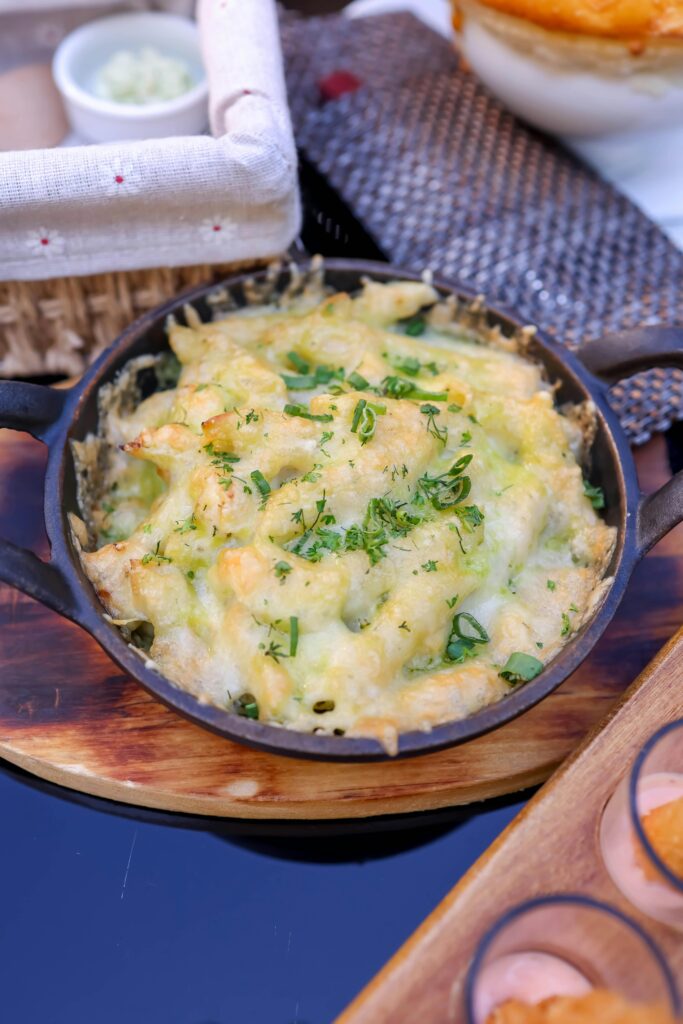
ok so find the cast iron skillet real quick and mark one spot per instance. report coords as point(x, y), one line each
point(55, 417)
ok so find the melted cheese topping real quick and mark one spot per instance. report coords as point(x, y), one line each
point(334, 524)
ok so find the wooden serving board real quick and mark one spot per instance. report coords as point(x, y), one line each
point(551, 847)
point(69, 715)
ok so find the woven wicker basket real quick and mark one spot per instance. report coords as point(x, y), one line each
point(59, 326)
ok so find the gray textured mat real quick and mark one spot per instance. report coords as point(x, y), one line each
point(442, 176)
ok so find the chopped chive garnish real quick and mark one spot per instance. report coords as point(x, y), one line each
point(364, 420)
point(416, 326)
point(293, 635)
point(595, 495)
point(358, 382)
point(260, 483)
point(246, 706)
point(399, 387)
point(550, 584)
point(306, 382)
point(302, 412)
point(461, 644)
point(449, 488)
point(406, 364)
point(298, 363)
point(520, 668)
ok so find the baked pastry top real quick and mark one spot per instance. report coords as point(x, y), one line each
point(624, 19)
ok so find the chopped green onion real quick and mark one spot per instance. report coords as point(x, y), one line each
point(302, 412)
point(364, 420)
point(260, 482)
point(358, 382)
point(460, 644)
point(415, 327)
point(293, 635)
point(399, 387)
point(521, 668)
point(246, 706)
point(298, 363)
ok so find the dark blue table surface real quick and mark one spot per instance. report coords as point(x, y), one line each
point(112, 919)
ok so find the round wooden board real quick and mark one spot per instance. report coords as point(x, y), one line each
point(69, 715)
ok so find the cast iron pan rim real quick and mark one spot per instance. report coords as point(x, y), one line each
point(280, 740)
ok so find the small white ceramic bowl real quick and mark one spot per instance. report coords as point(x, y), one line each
point(82, 54)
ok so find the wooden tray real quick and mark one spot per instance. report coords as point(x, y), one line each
point(551, 847)
point(69, 715)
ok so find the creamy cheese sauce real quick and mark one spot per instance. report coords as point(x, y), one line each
point(349, 516)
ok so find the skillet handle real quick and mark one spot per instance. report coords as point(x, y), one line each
point(621, 355)
point(36, 410)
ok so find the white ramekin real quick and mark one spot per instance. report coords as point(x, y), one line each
point(572, 101)
point(83, 52)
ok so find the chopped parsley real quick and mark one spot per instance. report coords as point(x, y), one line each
point(520, 668)
point(154, 556)
point(595, 495)
point(186, 525)
point(282, 570)
point(551, 584)
point(275, 652)
point(404, 625)
point(429, 566)
point(294, 409)
point(440, 433)
point(223, 462)
point(566, 625)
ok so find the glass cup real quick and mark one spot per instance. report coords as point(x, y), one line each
point(566, 945)
point(635, 867)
